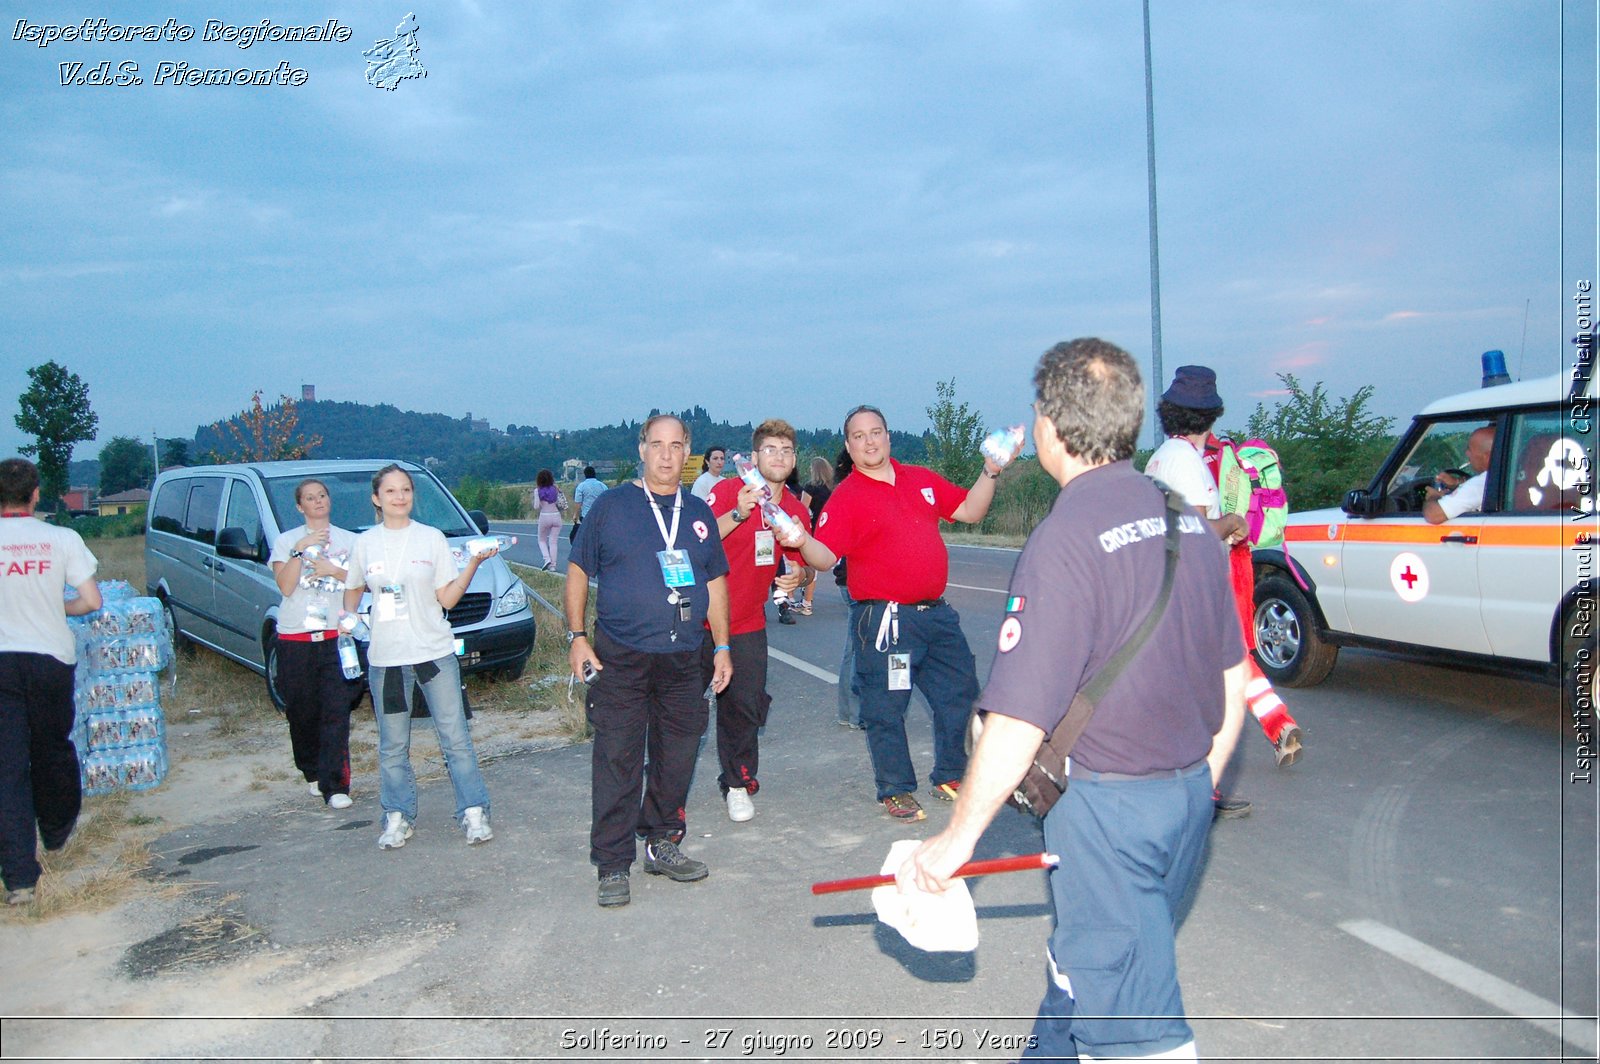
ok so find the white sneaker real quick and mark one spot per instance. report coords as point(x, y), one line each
point(396, 830)
point(740, 807)
point(313, 788)
point(476, 824)
point(339, 801)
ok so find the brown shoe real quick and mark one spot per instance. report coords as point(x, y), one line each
point(903, 807)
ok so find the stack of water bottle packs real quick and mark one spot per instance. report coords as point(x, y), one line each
point(120, 731)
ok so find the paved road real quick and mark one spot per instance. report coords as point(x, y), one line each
point(1420, 880)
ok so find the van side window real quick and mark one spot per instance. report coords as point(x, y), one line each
point(1550, 472)
point(200, 520)
point(1442, 446)
point(243, 513)
point(166, 513)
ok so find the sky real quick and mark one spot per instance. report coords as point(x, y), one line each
point(586, 210)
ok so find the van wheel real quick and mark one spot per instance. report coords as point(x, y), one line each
point(180, 642)
point(269, 644)
point(1288, 648)
point(511, 673)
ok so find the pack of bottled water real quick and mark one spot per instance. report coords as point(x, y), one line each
point(119, 729)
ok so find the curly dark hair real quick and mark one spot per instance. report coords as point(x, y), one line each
point(1185, 420)
point(1092, 393)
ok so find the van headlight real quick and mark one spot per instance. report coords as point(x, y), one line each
point(512, 601)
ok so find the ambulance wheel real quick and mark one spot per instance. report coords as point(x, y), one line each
point(1288, 648)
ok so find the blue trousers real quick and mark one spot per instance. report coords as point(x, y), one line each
point(440, 681)
point(1130, 852)
point(941, 668)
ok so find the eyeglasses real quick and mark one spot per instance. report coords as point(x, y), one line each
point(774, 451)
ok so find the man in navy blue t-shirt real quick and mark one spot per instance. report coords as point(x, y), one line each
point(655, 552)
point(1131, 828)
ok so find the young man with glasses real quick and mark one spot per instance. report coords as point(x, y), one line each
point(754, 549)
point(884, 519)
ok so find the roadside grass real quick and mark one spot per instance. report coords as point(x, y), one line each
point(107, 855)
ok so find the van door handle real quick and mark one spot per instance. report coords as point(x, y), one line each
point(1458, 537)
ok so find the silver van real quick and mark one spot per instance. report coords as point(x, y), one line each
point(209, 530)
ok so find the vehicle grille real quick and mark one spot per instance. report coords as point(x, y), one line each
point(473, 607)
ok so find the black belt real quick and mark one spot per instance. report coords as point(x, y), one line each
point(925, 604)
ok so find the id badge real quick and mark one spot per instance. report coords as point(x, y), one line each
point(391, 603)
point(899, 672)
point(675, 568)
point(766, 547)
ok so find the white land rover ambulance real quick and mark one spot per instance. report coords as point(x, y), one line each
point(1513, 583)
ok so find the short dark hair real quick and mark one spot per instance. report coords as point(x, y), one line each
point(392, 467)
point(1185, 420)
point(1094, 397)
point(19, 478)
point(545, 479)
point(864, 408)
point(588, 471)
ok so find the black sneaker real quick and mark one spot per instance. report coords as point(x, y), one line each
point(1227, 807)
point(786, 615)
point(613, 889)
point(663, 858)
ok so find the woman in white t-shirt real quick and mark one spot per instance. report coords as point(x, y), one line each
point(308, 563)
point(411, 574)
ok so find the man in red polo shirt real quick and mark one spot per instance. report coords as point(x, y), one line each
point(884, 518)
point(753, 548)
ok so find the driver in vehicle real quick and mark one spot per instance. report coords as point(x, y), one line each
point(1441, 505)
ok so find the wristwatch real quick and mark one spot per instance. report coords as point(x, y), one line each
point(297, 554)
point(739, 517)
point(573, 635)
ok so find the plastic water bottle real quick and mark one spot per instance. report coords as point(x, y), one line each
point(999, 444)
point(785, 526)
point(482, 545)
point(349, 660)
point(751, 475)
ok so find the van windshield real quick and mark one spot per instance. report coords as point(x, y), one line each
point(351, 491)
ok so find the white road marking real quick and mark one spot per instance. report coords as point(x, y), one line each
point(1545, 1015)
point(804, 666)
point(970, 587)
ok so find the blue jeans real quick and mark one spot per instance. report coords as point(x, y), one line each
point(1131, 850)
point(440, 681)
point(941, 668)
point(849, 693)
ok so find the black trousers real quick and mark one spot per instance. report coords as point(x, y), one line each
point(641, 704)
point(741, 709)
point(320, 701)
point(39, 781)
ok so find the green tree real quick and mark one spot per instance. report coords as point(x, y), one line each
point(1326, 446)
point(957, 432)
point(125, 463)
point(174, 451)
point(55, 412)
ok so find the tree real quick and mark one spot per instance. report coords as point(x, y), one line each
point(125, 463)
point(1326, 447)
point(265, 434)
point(55, 412)
point(957, 432)
point(174, 451)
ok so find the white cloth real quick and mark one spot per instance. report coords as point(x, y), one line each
point(1178, 465)
point(703, 485)
point(292, 613)
point(418, 558)
point(945, 922)
point(37, 562)
point(1467, 499)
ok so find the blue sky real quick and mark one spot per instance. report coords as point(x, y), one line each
point(586, 210)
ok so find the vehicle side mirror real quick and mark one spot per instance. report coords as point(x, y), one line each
point(480, 519)
point(233, 543)
point(1359, 503)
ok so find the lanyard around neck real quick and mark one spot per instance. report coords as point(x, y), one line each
point(669, 538)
